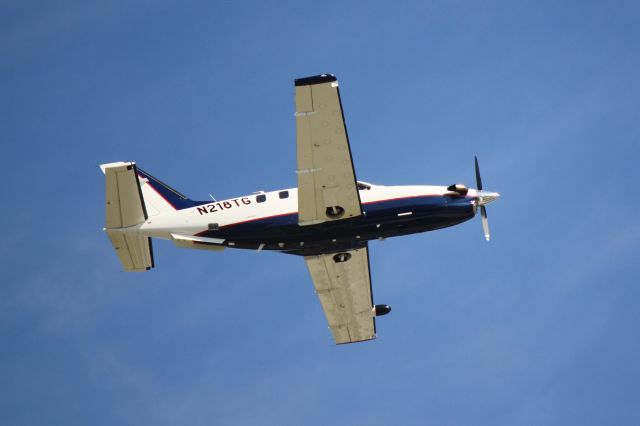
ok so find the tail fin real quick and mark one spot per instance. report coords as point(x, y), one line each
point(125, 211)
point(160, 197)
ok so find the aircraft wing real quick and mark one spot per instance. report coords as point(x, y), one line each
point(343, 284)
point(327, 187)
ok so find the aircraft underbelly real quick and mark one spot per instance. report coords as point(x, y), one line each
point(381, 220)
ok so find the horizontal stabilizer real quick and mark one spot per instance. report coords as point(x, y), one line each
point(125, 207)
point(134, 251)
point(125, 211)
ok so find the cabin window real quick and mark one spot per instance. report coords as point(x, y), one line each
point(261, 198)
point(283, 194)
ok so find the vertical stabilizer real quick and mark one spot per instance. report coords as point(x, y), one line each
point(159, 197)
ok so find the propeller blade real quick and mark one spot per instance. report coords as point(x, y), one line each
point(478, 179)
point(485, 223)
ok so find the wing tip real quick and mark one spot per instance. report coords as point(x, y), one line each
point(315, 79)
point(356, 340)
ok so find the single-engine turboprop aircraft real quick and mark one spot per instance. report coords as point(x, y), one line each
point(328, 219)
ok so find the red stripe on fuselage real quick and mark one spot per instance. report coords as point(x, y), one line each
point(403, 198)
point(295, 212)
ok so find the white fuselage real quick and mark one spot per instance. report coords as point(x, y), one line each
point(238, 210)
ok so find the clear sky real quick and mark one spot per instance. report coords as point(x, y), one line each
point(539, 326)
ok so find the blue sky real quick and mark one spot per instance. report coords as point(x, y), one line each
point(539, 326)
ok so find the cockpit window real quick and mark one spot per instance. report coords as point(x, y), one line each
point(363, 186)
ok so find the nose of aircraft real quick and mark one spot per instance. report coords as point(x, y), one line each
point(486, 197)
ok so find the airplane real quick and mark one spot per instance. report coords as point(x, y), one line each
point(328, 219)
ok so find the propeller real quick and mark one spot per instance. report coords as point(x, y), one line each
point(484, 197)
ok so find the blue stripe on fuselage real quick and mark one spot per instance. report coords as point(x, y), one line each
point(177, 200)
point(428, 213)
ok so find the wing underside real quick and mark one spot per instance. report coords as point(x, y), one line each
point(343, 285)
point(327, 187)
